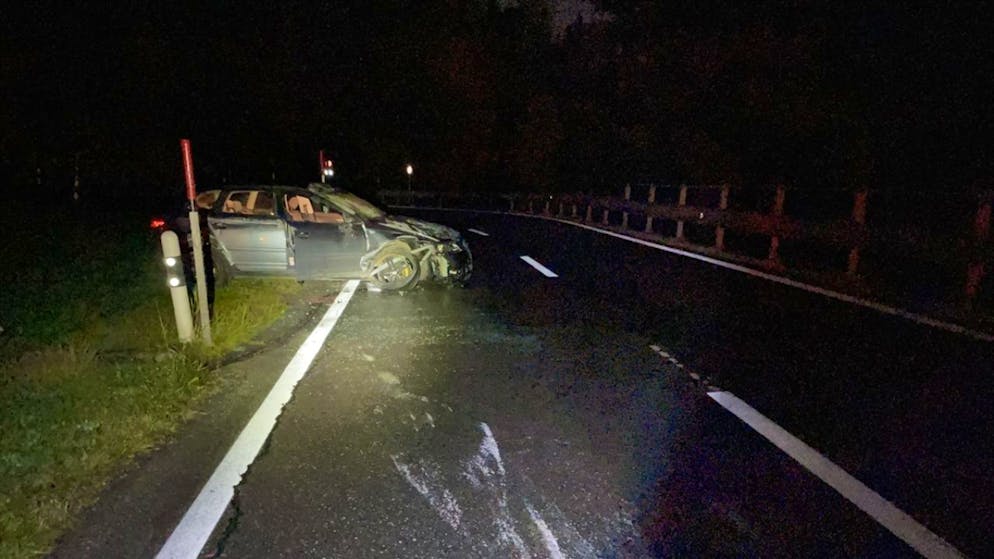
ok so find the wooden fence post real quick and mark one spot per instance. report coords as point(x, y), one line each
point(975, 271)
point(624, 215)
point(546, 210)
point(590, 212)
point(859, 218)
point(604, 216)
point(573, 215)
point(651, 201)
point(719, 230)
point(531, 207)
point(560, 208)
point(777, 212)
point(681, 201)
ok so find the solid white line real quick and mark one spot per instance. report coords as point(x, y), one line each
point(832, 294)
point(545, 271)
point(190, 535)
point(478, 232)
point(879, 307)
point(920, 538)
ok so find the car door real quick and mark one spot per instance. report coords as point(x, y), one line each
point(327, 241)
point(248, 231)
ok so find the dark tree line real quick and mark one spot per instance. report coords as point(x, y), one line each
point(487, 94)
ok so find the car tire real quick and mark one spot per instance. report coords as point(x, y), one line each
point(222, 270)
point(394, 268)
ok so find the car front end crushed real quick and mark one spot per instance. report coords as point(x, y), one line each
point(451, 262)
point(442, 254)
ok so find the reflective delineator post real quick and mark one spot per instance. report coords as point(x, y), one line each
point(197, 241)
point(176, 281)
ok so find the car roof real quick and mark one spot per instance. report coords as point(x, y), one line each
point(280, 188)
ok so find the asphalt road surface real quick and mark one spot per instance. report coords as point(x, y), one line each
point(569, 416)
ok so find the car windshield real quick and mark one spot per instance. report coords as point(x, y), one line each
point(354, 204)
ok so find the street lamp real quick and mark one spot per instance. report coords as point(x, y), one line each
point(410, 173)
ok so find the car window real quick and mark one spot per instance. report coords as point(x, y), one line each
point(236, 203)
point(263, 203)
point(249, 202)
point(205, 200)
point(301, 208)
point(353, 204)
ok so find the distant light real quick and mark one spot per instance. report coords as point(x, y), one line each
point(173, 282)
point(329, 172)
point(157, 223)
point(702, 215)
point(170, 261)
point(410, 170)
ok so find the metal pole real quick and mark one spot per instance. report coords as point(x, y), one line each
point(858, 218)
point(719, 230)
point(197, 242)
point(624, 215)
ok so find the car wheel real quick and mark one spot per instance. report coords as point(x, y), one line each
point(394, 268)
point(222, 270)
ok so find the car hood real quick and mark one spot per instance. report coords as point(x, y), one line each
point(420, 228)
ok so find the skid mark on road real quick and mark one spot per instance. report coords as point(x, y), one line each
point(500, 517)
point(548, 539)
point(424, 478)
point(489, 452)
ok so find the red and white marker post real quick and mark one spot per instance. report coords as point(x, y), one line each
point(197, 242)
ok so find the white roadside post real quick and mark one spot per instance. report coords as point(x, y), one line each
point(177, 285)
point(197, 241)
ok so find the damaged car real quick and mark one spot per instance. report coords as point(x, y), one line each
point(324, 233)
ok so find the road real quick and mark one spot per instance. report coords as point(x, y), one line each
point(570, 416)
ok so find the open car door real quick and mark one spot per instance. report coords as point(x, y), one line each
point(326, 241)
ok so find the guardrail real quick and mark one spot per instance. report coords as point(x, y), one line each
point(822, 235)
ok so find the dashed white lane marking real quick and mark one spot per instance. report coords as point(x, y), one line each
point(478, 232)
point(192, 532)
point(676, 363)
point(920, 538)
point(545, 271)
point(879, 307)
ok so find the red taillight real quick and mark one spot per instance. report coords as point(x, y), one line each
point(157, 223)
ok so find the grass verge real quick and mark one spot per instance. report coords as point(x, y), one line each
point(75, 413)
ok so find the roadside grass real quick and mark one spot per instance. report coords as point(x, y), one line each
point(105, 380)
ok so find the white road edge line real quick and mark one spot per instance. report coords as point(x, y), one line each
point(884, 512)
point(478, 232)
point(879, 307)
point(545, 271)
point(193, 531)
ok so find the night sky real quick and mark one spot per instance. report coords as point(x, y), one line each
point(496, 95)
